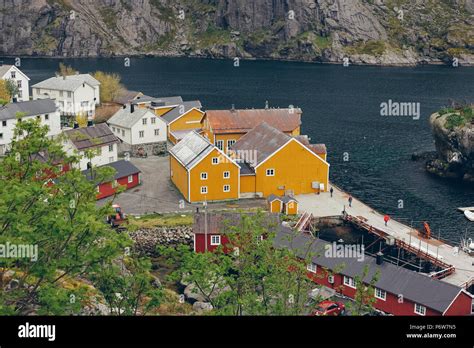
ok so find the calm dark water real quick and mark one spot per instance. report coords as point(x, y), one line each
point(341, 107)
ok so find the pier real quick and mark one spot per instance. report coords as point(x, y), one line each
point(456, 266)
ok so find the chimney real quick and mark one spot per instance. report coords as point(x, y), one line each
point(232, 108)
point(132, 108)
point(266, 105)
point(379, 258)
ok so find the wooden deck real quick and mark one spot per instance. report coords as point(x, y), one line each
point(458, 268)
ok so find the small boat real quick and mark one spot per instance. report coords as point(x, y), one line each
point(469, 215)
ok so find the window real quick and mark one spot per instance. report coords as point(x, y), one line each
point(1, 135)
point(130, 179)
point(226, 175)
point(114, 183)
point(61, 94)
point(215, 240)
point(270, 172)
point(20, 94)
point(419, 309)
point(123, 132)
point(203, 176)
point(230, 143)
point(144, 121)
point(141, 134)
point(46, 117)
point(111, 147)
point(113, 129)
point(226, 188)
point(4, 123)
point(203, 190)
point(220, 144)
point(153, 120)
point(13, 74)
point(111, 159)
point(215, 160)
point(69, 94)
point(312, 267)
point(380, 294)
point(18, 83)
point(349, 282)
point(157, 132)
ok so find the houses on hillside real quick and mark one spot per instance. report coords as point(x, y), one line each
point(15, 75)
point(263, 162)
point(96, 144)
point(139, 129)
point(75, 94)
point(45, 110)
point(224, 127)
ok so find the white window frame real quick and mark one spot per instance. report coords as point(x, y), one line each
point(230, 143)
point(153, 120)
point(204, 176)
point(111, 147)
point(228, 188)
point(312, 267)
point(144, 121)
point(380, 294)
point(224, 175)
point(130, 179)
point(215, 160)
point(350, 282)
point(271, 171)
point(141, 134)
point(221, 143)
point(215, 240)
point(157, 132)
point(416, 309)
point(203, 190)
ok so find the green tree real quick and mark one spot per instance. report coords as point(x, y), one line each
point(252, 279)
point(364, 298)
point(5, 95)
point(66, 70)
point(12, 88)
point(60, 219)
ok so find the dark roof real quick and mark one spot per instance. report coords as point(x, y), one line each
point(122, 169)
point(241, 121)
point(217, 222)
point(245, 168)
point(45, 157)
point(316, 148)
point(172, 115)
point(29, 108)
point(284, 199)
point(273, 197)
point(264, 140)
point(162, 100)
point(416, 287)
point(126, 96)
point(93, 136)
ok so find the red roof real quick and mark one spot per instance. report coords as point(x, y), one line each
point(241, 121)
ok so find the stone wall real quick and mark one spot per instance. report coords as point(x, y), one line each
point(147, 240)
point(151, 149)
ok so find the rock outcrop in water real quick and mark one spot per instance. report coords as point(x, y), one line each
point(366, 31)
point(453, 131)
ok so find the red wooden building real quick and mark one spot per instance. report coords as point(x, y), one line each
point(398, 291)
point(209, 236)
point(126, 174)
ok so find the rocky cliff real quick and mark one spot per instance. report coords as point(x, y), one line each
point(366, 31)
point(453, 131)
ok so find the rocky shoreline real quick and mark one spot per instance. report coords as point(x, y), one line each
point(146, 240)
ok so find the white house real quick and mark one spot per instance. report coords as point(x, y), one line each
point(75, 94)
point(45, 110)
point(138, 128)
point(11, 72)
point(97, 138)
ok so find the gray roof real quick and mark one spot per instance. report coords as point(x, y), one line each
point(90, 137)
point(245, 168)
point(125, 118)
point(126, 96)
point(416, 287)
point(4, 68)
point(122, 169)
point(284, 199)
point(67, 83)
point(172, 115)
point(162, 100)
point(30, 108)
point(191, 149)
point(263, 139)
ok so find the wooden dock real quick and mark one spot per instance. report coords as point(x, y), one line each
point(457, 266)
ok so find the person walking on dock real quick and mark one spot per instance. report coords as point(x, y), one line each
point(331, 190)
point(386, 218)
point(350, 201)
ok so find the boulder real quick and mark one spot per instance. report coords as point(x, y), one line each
point(202, 307)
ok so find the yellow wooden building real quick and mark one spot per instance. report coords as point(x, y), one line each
point(286, 204)
point(224, 127)
point(183, 119)
point(276, 163)
point(202, 172)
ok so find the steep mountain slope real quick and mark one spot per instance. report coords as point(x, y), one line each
point(367, 31)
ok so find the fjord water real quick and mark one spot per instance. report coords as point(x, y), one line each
point(341, 108)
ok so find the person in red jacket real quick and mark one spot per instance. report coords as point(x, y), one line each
point(386, 218)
